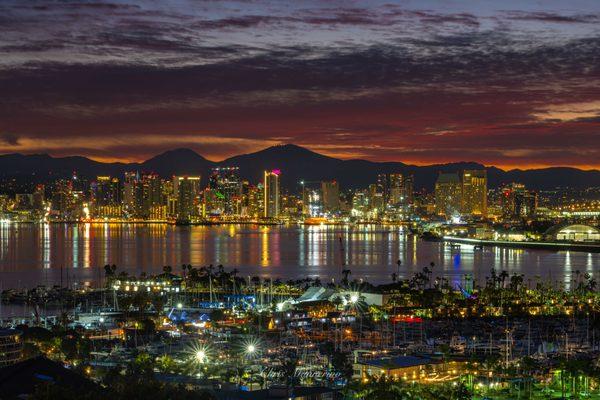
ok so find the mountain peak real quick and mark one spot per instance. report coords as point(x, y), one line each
point(290, 150)
point(178, 152)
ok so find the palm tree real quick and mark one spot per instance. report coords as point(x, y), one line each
point(234, 274)
point(289, 373)
point(345, 274)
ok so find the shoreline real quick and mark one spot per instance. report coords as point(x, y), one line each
point(551, 246)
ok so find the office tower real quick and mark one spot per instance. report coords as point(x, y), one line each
point(192, 181)
point(38, 198)
point(107, 197)
point(474, 193)
point(149, 201)
point(448, 195)
point(4, 202)
point(360, 203)
point(408, 189)
point(383, 187)
point(228, 190)
point(23, 201)
point(376, 198)
point(256, 203)
point(63, 199)
point(518, 202)
point(396, 189)
point(271, 193)
point(188, 191)
point(330, 191)
point(129, 185)
point(312, 202)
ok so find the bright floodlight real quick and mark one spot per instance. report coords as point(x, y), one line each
point(251, 348)
point(201, 356)
point(354, 298)
point(179, 305)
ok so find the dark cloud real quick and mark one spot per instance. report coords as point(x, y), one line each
point(9, 139)
point(553, 17)
point(380, 82)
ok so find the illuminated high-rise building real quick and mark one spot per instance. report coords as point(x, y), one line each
point(408, 186)
point(376, 197)
point(396, 189)
point(107, 197)
point(256, 202)
point(518, 202)
point(360, 203)
point(330, 191)
point(188, 191)
point(38, 197)
point(448, 195)
point(383, 187)
point(144, 196)
point(227, 187)
point(271, 194)
point(474, 193)
point(129, 187)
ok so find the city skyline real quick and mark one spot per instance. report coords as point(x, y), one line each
point(426, 83)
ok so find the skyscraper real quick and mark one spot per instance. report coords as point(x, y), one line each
point(331, 196)
point(188, 189)
point(227, 187)
point(129, 187)
point(448, 195)
point(271, 196)
point(518, 202)
point(409, 189)
point(106, 196)
point(396, 189)
point(474, 193)
point(383, 187)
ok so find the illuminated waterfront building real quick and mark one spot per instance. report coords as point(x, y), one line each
point(150, 201)
point(188, 191)
point(360, 203)
point(5, 202)
point(255, 201)
point(271, 194)
point(474, 193)
point(63, 200)
point(129, 185)
point(312, 202)
point(107, 197)
point(11, 347)
point(383, 187)
point(396, 189)
point(518, 202)
point(227, 187)
point(408, 185)
point(330, 191)
point(448, 195)
point(38, 198)
point(23, 201)
point(376, 197)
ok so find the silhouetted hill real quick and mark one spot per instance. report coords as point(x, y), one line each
point(295, 162)
point(178, 162)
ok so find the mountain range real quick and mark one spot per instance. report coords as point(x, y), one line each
point(296, 163)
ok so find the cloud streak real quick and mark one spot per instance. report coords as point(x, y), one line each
point(375, 80)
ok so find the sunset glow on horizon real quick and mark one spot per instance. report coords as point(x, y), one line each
point(512, 86)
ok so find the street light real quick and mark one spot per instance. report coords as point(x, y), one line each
point(201, 356)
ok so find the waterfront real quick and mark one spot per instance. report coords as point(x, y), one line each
point(32, 254)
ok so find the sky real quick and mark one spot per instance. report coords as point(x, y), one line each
point(515, 84)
